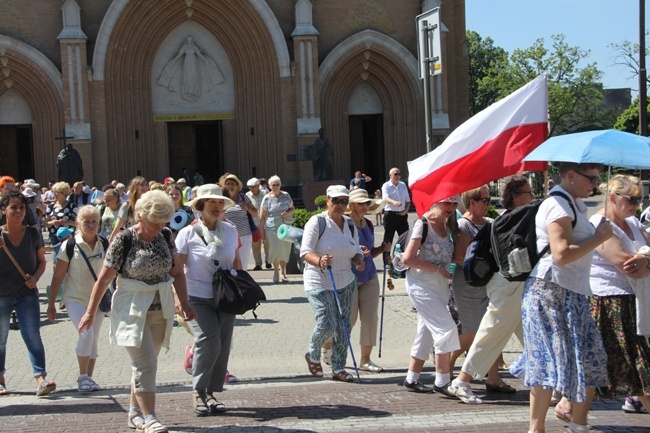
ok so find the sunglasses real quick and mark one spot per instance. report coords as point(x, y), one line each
point(397, 174)
point(343, 201)
point(631, 199)
point(485, 200)
point(592, 179)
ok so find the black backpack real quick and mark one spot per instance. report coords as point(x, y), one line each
point(69, 246)
point(479, 264)
point(403, 241)
point(513, 232)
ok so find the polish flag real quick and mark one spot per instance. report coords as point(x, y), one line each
point(488, 146)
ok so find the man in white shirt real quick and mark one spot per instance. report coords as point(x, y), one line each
point(398, 202)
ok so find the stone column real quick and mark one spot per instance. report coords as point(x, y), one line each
point(75, 74)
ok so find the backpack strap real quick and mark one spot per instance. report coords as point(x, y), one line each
point(322, 225)
point(547, 248)
point(69, 248)
point(127, 241)
point(425, 230)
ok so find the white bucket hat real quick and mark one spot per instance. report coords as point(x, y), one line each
point(211, 191)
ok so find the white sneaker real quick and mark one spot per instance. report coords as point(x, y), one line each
point(464, 393)
point(326, 355)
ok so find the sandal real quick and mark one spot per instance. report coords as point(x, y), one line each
point(215, 405)
point(136, 421)
point(201, 404)
point(501, 387)
point(342, 376)
point(154, 426)
point(566, 416)
point(314, 367)
point(44, 388)
point(84, 384)
point(3, 389)
point(93, 385)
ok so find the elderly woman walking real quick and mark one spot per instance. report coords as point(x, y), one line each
point(563, 350)
point(204, 247)
point(142, 313)
point(330, 242)
point(76, 275)
point(277, 209)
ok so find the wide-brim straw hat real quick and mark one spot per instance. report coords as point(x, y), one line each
point(361, 196)
point(210, 191)
point(222, 182)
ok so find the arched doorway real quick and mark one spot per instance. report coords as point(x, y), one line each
point(17, 155)
point(366, 126)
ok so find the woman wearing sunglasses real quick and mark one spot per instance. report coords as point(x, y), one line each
point(330, 245)
point(613, 305)
point(472, 302)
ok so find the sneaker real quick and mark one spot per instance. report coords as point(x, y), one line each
point(464, 393)
point(326, 355)
point(633, 405)
point(231, 378)
point(189, 357)
point(417, 386)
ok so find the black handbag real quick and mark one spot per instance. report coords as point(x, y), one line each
point(236, 292)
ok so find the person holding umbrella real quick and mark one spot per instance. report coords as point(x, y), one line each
point(330, 293)
point(563, 349)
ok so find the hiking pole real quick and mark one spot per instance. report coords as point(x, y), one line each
point(383, 290)
point(345, 328)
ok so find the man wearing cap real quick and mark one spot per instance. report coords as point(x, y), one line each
point(256, 195)
point(398, 203)
point(187, 191)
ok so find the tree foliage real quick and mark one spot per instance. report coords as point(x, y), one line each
point(575, 97)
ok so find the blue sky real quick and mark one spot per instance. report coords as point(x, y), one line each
point(589, 24)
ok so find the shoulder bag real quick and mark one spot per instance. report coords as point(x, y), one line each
point(234, 291)
point(105, 302)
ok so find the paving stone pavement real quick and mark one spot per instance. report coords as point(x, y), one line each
point(275, 392)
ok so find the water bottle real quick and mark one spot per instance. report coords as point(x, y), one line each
point(397, 259)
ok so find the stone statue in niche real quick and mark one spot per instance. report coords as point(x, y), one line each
point(69, 165)
point(191, 72)
point(322, 157)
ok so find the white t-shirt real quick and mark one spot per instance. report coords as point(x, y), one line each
point(575, 275)
point(79, 282)
point(199, 267)
point(341, 245)
point(434, 249)
point(606, 279)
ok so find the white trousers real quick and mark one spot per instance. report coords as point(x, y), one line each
point(502, 318)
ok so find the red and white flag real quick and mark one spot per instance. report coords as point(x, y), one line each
point(488, 146)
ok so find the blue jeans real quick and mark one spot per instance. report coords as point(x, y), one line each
point(28, 312)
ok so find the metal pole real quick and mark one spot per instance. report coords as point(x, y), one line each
point(643, 94)
point(424, 34)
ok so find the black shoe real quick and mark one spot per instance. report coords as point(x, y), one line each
point(257, 268)
point(269, 266)
point(417, 386)
point(444, 390)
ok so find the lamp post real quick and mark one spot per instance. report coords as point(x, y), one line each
point(643, 94)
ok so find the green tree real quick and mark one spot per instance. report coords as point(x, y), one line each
point(486, 62)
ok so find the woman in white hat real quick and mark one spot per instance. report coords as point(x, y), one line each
point(201, 247)
point(330, 240)
point(238, 214)
point(427, 284)
point(277, 208)
point(366, 298)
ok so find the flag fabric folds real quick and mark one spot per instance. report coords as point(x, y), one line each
point(488, 146)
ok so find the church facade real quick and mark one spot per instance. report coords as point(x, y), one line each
point(150, 87)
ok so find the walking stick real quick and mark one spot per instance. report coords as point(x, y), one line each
point(345, 328)
point(383, 290)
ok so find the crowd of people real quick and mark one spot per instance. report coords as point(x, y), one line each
point(156, 246)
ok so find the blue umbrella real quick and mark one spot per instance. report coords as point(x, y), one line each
point(608, 147)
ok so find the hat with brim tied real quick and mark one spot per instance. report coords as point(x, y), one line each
point(452, 199)
point(337, 191)
point(210, 191)
point(361, 196)
point(222, 182)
